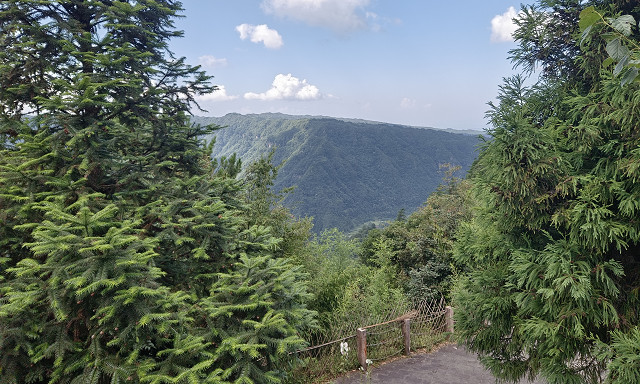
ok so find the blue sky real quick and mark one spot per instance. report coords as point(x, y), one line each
point(415, 62)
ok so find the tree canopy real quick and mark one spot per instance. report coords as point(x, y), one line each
point(553, 274)
point(126, 254)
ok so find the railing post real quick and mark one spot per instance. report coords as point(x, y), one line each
point(448, 318)
point(361, 345)
point(406, 332)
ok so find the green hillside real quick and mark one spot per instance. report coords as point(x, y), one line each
point(346, 172)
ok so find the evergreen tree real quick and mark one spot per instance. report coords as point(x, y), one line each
point(253, 308)
point(265, 207)
point(118, 230)
point(552, 250)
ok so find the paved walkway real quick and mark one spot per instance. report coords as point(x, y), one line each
point(450, 364)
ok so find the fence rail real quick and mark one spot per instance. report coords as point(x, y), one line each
point(402, 331)
point(431, 323)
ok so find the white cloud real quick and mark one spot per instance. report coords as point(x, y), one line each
point(218, 95)
point(502, 26)
point(407, 103)
point(260, 34)
point(339, 15)
point(287, 87)
point(209, 61)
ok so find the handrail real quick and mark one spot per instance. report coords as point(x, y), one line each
point(407, 315)
point(322, 345)
point(421, 315)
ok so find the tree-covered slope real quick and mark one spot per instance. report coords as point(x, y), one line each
point(346, 173)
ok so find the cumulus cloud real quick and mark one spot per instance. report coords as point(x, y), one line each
point(209, 61)
point(287, 87)
point(503, 27)
point(260, 34)
point(339, 15)
point(218, 95)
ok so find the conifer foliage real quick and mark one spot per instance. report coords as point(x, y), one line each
point(125, 257)
point(553, 282)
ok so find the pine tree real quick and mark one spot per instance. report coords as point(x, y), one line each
point(118, 228)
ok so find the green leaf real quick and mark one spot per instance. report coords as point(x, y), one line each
point(607, 62)
point(629, 76)
point(585, 34)
point(621, 65)
point(588, 17)
point(616, 50)
point(623, 24)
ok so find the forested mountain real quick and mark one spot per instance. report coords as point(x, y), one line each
point(346, 172)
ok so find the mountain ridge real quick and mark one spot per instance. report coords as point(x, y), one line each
point(346, 173)
point(284, 116)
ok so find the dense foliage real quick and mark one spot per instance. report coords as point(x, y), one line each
point(554, 276)
point(126, 255)
point(346, 173)
point(344, 288)
point(421, 245)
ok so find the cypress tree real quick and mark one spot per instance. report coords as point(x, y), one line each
point(552, 251)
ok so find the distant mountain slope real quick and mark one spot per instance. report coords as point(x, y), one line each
point(346, 172)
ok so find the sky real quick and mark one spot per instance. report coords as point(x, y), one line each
point(428, 63)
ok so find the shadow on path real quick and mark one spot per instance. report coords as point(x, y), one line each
point(448, 365)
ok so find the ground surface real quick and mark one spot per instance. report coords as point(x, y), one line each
point(450, 364)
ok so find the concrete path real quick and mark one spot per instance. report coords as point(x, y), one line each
point(451, 364)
